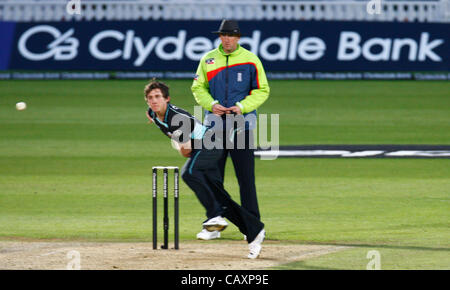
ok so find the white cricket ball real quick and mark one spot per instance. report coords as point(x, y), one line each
point(21, 106)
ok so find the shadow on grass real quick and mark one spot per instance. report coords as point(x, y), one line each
point(394, 247)
point(301, 265)
point(304, 265)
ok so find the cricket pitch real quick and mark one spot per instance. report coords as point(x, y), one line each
point(193, 255)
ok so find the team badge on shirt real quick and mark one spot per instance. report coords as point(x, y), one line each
point(239, 77)
point(210, 61)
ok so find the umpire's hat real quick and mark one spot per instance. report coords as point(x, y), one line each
point(229, 27)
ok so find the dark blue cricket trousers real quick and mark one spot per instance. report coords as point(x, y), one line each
point(202, 174)
point(244, 168)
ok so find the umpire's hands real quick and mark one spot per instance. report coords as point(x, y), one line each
point(236, 110)
point(219, 110)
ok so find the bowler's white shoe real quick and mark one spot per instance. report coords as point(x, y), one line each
point(255, 246)
point(205, 235)
point(217, 223)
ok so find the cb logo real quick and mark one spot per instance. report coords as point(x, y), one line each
point(63, 47)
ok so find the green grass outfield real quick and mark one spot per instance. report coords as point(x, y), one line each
point(76, 165)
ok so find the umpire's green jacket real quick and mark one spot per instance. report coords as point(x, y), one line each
point(231, 79)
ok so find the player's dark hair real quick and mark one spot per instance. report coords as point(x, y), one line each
point(154, 84)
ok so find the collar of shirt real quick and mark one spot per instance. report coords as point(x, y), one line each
point(236, 52)
point(163, 122)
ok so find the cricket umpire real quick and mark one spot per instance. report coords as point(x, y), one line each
point(231, 80)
